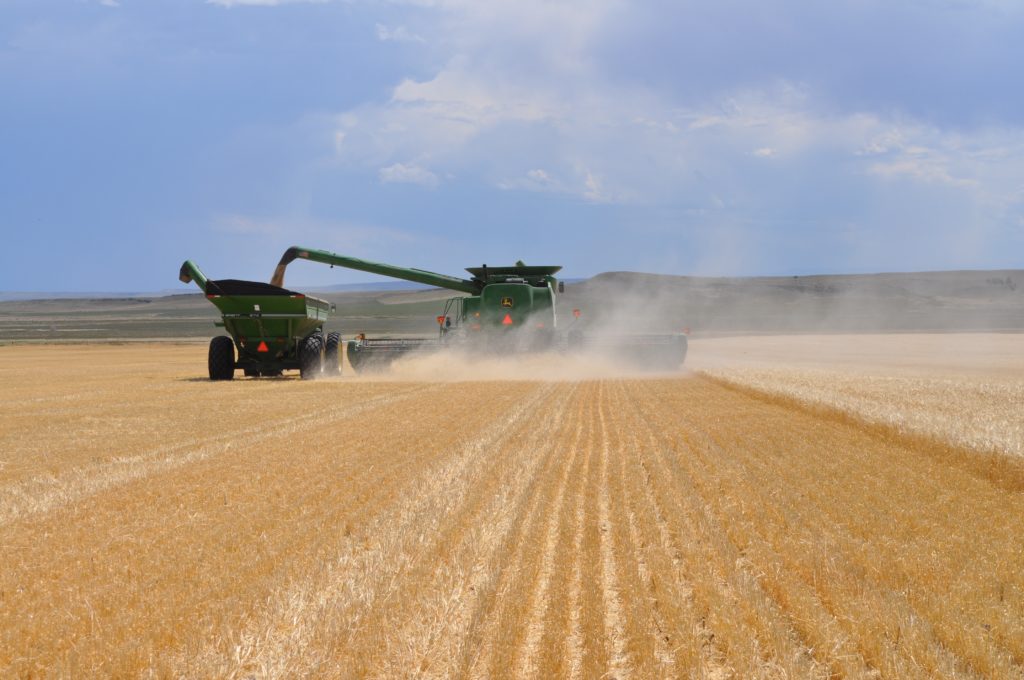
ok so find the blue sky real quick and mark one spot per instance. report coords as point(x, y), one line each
point(712, 138)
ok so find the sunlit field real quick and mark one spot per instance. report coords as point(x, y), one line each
point(758, 515)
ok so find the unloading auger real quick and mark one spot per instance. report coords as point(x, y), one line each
point(503, 310)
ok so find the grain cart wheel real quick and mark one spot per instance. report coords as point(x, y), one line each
point(222, 358)
point(311, 356)
point(332, 365)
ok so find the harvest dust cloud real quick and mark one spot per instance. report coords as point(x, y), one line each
point(456, 366)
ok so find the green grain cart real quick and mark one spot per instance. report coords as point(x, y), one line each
point(271, 329)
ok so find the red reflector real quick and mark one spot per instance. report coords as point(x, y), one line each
point(507, 321)
point(262, 347)
point(576, 313)
point(211, 296)
point(440, 319)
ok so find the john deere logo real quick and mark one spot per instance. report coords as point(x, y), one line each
point(506, 302)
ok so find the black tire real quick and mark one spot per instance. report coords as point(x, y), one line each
point(222, 358)
point(332, 359)
point(311, 356)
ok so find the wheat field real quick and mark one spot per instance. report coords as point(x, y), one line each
point(156, 524)
point(966, 388)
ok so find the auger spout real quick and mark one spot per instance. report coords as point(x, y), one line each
point(190, 272)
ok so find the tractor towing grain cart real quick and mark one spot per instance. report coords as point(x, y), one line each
point(271, 329)
point(503, 310)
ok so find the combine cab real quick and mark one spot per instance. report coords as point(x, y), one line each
point(271, 329)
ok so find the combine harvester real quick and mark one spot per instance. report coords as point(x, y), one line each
point(272, 329)
point(505, 310)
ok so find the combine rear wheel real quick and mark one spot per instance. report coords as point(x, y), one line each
point(222, 358)
point(332, 359)
point(311, 356)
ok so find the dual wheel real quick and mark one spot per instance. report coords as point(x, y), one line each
point(316, 356)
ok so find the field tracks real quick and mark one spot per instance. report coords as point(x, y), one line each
point(614, 616)
point(476, 538)
point(43, 493)
point(818, 545)
point(365, 592)
point(527, 661)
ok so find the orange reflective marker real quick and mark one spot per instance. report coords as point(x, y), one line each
point(507, 321)
point(440, 319)
point(262, 347)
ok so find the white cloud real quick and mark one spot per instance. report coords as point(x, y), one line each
point(408, 173)
point(593, 190)
point(921, 166)
point(534, 180)
point(110, 3)
point(607, 144)
point(397, 34)
point(522, 102)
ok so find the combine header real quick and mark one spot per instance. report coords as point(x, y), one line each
point(504, 310)
point(272, 329)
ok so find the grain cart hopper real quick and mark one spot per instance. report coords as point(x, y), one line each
point(272, 329)
point(507, 309)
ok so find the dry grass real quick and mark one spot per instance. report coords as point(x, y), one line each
point(672, 527)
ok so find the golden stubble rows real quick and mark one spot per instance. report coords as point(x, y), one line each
point(669, 527)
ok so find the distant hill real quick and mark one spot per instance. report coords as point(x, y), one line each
point(949, 300)
point(616, 301)
point(10, 296)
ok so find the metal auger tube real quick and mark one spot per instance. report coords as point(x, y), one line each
point(190, 272)
point(472, 287)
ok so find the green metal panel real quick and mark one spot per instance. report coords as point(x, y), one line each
point(516, 305)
